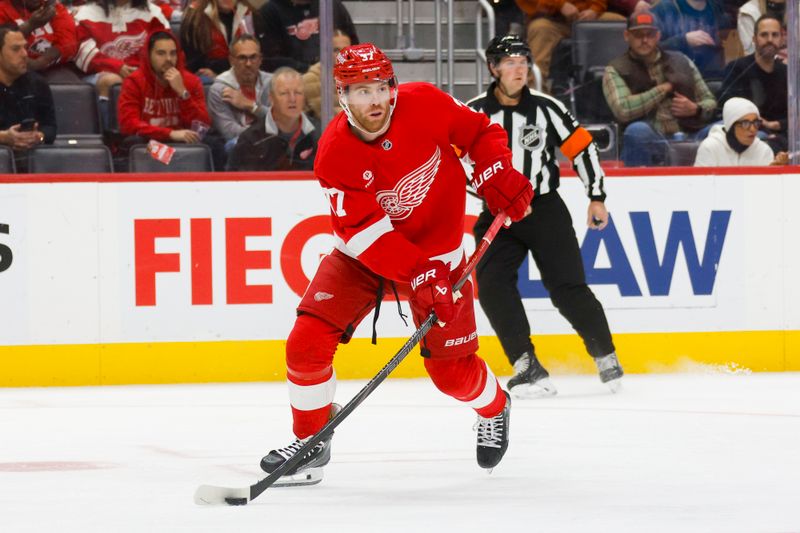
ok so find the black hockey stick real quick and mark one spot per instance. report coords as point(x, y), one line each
point(212, 495)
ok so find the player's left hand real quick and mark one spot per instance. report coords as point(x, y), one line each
point(432, 290)
point(598, 215)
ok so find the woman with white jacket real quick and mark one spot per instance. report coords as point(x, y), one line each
point(736, 143)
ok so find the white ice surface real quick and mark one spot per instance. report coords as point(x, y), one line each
point(677, 453)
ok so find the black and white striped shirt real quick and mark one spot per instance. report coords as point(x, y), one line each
point(536, 127)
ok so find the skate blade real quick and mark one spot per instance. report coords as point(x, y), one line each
point(615, 385)
point(312, 476)
point(531, 391)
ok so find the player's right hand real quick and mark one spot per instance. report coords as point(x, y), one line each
point(504, 189)
point(432, 290)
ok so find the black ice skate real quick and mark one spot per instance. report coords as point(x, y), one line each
point(530, 379)
point(610, 371)
point(493, 437)
point(308, 470)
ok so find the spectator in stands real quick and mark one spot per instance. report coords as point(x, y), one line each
point(736, 143)
point(313, 83)
point(50, 31)
point(551, 21)
point(291, 32)
point(286, 139)
point(760, 78)
point(170, 8)
point(508, 17)
point(111, 34)
point(627, 8)
point(750, 12)
point(239, 96)
point(27, 115)
point(209, 27)
point(164, 101)
point(655, 94)
point(692, 28)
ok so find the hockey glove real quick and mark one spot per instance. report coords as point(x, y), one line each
point(504, 189)
point(432, 290)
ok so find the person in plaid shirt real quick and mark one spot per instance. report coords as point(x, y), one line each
point(656, 95)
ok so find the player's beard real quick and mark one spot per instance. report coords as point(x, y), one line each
point(374, 125)
point(370, 130)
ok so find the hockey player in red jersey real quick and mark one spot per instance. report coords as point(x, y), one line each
point(397, 198)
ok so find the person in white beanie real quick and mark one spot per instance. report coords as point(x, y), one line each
point(736, 142)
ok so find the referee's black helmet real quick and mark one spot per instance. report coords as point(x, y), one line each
point(506, 46)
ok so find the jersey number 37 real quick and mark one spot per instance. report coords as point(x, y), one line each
point(336, 198)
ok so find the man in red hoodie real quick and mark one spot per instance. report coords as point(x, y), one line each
point(162, 100)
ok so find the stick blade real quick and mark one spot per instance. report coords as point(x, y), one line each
point(212, 495)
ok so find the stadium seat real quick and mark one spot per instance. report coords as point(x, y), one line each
point(683, 153)
point(606, 137)
point(594, 44)
point(715, 86)
point(7, 165)
point(77, 114)
point(187, 158)
point(175, 28)
point(113, 112)
point(69, 159)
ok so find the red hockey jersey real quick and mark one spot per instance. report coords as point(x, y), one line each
point(152, 110)
point(106, 42)
point(59, 32)
point(401, 198)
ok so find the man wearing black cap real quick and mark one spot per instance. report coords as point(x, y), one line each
point(656, 95)
point(536, 125)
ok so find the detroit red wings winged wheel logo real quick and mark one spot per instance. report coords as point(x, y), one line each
point(410, 191)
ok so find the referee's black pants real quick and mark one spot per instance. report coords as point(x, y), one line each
point(548, 234)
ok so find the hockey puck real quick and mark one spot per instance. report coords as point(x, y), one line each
point(236, 501)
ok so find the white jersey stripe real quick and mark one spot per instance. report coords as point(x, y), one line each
point(311, 397)
point(488, 393)
point(365, 238)
point(454, 258)
point(558, 124)
point(86, 53)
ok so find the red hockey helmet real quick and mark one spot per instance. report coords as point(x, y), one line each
point(360, 63)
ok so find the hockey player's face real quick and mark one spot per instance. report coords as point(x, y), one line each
point(513, 73)
point(163, 56)
point(369, 104)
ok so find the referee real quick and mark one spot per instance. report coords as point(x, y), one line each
point(536, 125)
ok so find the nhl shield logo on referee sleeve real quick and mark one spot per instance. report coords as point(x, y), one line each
point(530, 137)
